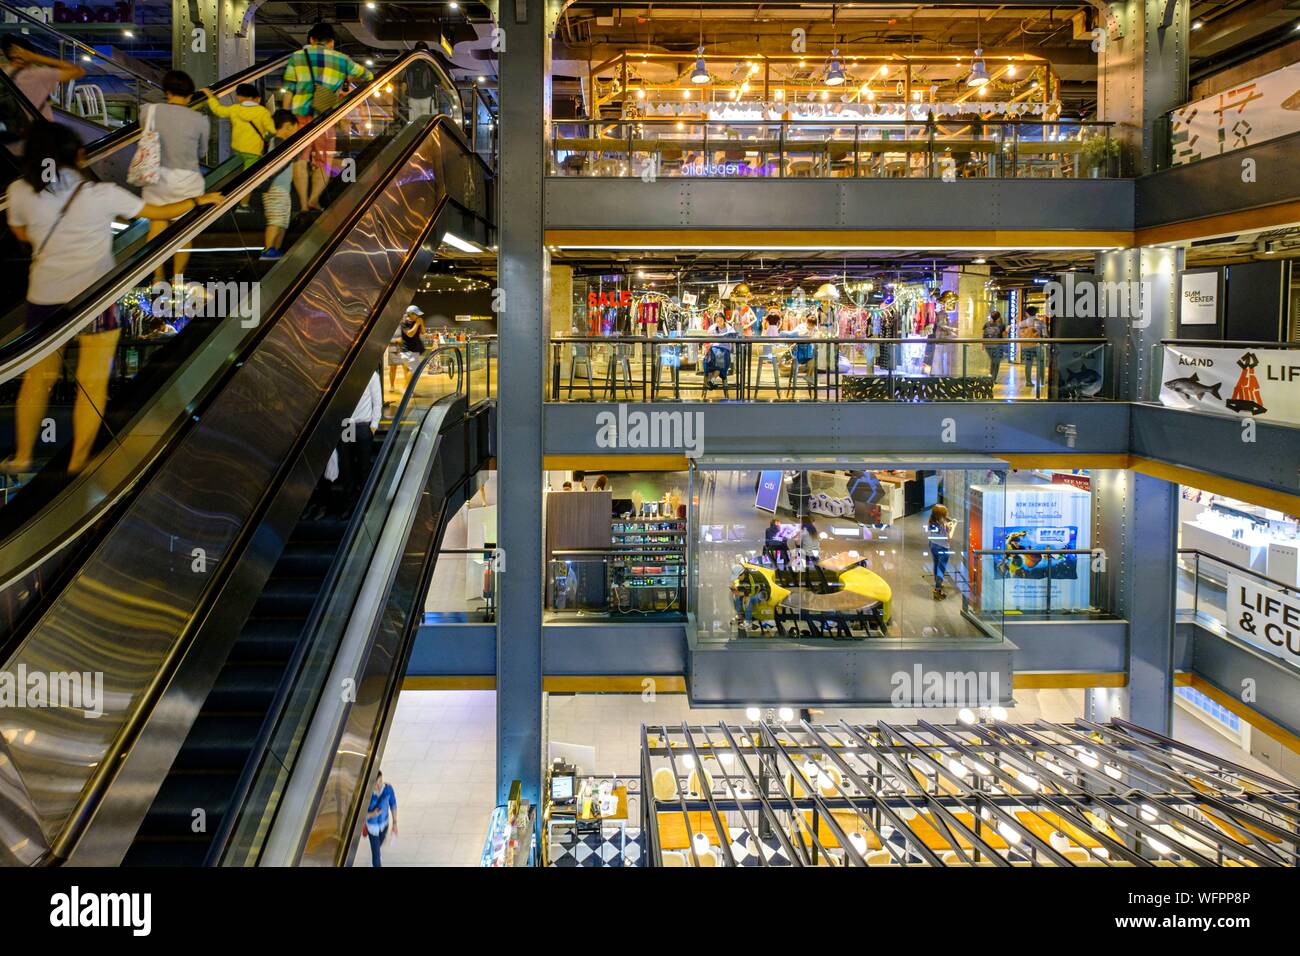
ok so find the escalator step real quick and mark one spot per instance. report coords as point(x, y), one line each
point(173, 813)
point(287, 597)
point(306, 559)
point(244, 688)
point(267, 639)
point(320, 529)
point(218, 742)
point(147, 851)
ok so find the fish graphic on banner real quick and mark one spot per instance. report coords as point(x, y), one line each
point(1250, 383)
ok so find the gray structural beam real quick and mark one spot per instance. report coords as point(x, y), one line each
point(980, 205)
point(996, 428)
point(525, 111)
point(1142, 74)
point(1137, 530)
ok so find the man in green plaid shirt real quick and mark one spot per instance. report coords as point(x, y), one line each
point(313, 79)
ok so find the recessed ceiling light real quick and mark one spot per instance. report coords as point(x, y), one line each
point(1197, 24)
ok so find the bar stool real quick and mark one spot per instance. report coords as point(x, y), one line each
point(770, 360)
point(581, 356)
point(618, 369)
point(660, 367)
point(799, 370)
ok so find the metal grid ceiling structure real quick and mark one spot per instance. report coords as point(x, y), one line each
point(979, 793)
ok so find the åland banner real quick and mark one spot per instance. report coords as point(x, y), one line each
point(1248, 382)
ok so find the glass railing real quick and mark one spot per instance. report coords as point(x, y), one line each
point(463, 589)
point(1216, 594)
point(623, 582)
point(656, 147)
point(1038, 584)
point(318, 648)
point(111, 91)
point(70, 411)
point(481, 367)
point(699, 367)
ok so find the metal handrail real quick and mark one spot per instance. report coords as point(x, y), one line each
point(18, 359)
point(84, 49)
point(313, 622)
point(1237, 567)
point(705, 336)
point(1233, 344)
point(936, 121)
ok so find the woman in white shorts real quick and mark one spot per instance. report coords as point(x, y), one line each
point(183, 137)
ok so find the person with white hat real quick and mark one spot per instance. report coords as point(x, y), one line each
point(408, 345)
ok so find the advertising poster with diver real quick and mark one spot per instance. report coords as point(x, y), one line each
point(1251, 382)
point(1028, 522)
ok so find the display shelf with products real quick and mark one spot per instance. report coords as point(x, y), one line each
point(652, 574)
point(1249, 536)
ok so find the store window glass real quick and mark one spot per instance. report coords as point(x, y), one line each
point(819, 550)
point(1239, 570)
point(616, 544)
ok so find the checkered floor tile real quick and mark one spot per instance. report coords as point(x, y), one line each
point(610, 847)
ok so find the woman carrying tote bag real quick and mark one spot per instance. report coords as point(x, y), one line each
point(68, 220)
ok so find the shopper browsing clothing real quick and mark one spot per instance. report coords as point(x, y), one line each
point(314, 79)
point(717, 361)
point(381, 817)
point(938, 529)
point(277, 203)
point(67, 219)
point(183, 137)
point(994, 331)
point(36, 75)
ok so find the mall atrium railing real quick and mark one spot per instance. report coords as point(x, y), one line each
point(652, 147)
point(765, 368)
point(1206, 586)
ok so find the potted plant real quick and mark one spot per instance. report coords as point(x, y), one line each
point(1100, 154)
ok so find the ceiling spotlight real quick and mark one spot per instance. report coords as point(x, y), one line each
point(1011, 70)
point(835, 73)
point(1197, 24)
point(979, 73)
point(686, 94)
point(128, 33)
point(640, 94)
point(453, 5)
point(372, 5)
point(966, 715)
point(370, 61)
point(752, 713)
point(980, 261)
point(998, 713)
point(480, 79)
point(786, 714)
point(700, 74)
point(780, 94)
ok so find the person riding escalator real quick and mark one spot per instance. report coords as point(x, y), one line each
point(53, 200)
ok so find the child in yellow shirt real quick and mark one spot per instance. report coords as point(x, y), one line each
point(250, 124)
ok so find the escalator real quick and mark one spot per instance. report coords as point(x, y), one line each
point(271, 680)
point(148, 567)
point(207, 770)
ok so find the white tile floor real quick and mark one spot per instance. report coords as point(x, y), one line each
point(441, 753)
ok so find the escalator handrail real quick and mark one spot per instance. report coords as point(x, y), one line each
point(280, 838)
point(284, 693)
point(83, 48)
point(29, 347)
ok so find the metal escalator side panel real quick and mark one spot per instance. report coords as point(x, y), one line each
point(133, 603)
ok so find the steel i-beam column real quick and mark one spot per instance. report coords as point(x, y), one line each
point(524, 55)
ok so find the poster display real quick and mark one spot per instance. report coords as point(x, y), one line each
point(1026, 521)
point(1264, 108)
point(1249, 382)
point(1266, 617)
point(1198, 298)
point(768, 496)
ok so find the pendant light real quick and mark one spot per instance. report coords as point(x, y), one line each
point(979, 72)
point(835, 72)
point(700, 74)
